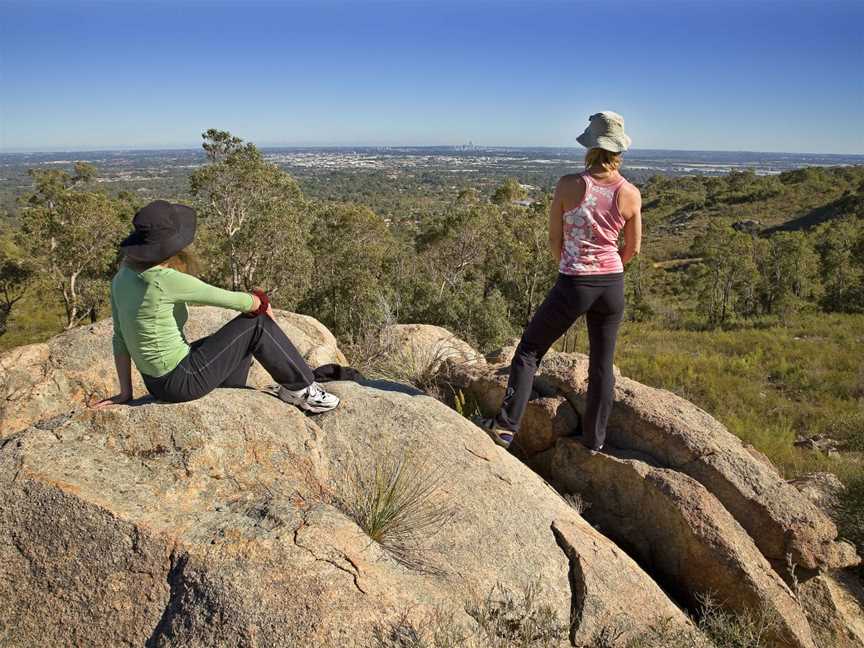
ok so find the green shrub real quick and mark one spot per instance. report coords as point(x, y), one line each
point(466, 405)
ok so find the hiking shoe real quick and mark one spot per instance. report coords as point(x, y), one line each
point(313, 398)
point(498, 434)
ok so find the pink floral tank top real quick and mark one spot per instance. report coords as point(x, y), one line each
point(591, 231)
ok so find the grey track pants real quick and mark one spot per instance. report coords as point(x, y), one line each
point(224, 359)
point(601, 299)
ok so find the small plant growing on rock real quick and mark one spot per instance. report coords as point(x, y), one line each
point(735, 630)
point(397, 501)
point(465, 405)
point(501, 619)
point(577, 502)
point(435, 630)
point(508, 618)
point(663, 635)
point(716, 628)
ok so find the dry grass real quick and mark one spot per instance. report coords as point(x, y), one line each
point(507, 619)
point(735, 630)
point(577, 502)
point(381, 357)
point(435, 630)
point(717, 628)
point(501, 619)
point(397, 501)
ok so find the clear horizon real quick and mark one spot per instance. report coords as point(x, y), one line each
point(687, 76)
point(266, 146)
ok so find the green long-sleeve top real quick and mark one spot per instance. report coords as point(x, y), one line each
point(149, 312)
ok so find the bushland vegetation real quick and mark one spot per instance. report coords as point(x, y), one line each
point(748, 298)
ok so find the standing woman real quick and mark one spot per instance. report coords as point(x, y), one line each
point(588, 212)
point(149, 294)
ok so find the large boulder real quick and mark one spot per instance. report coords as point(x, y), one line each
point(824, 489)
point(39, 381)
point(425, 347)
point(834, 601)
point(835, 607)
point(594, 584)
point(676, 434)
point(679, 533)
point(229, 521)
point(547, 418)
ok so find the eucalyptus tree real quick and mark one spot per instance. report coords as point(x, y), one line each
point(509, 191)
point(14, 278)
point(727, 277)
point(253, 220)
point(789, 267)
point(840, 246)
point(354, 259)
point(70, 235)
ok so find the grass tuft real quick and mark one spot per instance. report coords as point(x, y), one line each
point(397, 501)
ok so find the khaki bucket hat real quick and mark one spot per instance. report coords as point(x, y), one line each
point(606, 131)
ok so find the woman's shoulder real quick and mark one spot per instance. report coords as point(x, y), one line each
point(571, 179)
point(571, 185)
point(628, 189)
point(166, 277)
point(629, 199)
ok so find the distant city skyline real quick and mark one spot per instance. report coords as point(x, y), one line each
point(764, 76)
point(577, 148)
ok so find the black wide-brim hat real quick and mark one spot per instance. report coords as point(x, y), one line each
point(162, 229)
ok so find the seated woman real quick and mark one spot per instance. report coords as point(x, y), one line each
point(149, 294)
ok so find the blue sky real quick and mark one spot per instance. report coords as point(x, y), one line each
point(761, 76)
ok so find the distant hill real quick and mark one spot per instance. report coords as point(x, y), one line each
point(676, 209)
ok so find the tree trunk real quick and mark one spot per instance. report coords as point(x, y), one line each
point(71, 298)
point(5, 312)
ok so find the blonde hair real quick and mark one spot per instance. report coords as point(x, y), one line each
point(185, 261)
point(607, 160)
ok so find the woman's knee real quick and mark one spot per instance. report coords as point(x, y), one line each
point(528, 354)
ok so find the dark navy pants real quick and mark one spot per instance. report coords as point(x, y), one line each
point(601, 299)
point(224, 359)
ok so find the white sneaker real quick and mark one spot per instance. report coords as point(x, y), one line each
point(313, 398)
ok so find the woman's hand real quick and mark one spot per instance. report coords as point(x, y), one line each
point(259, 297)
point(256, 304)
point(123, 363)
point(118, 399)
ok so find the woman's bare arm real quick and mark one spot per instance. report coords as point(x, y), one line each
point(556, 222)
point(123, 364)
point(630, 207)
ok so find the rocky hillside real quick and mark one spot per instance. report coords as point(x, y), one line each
point(237, 521)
